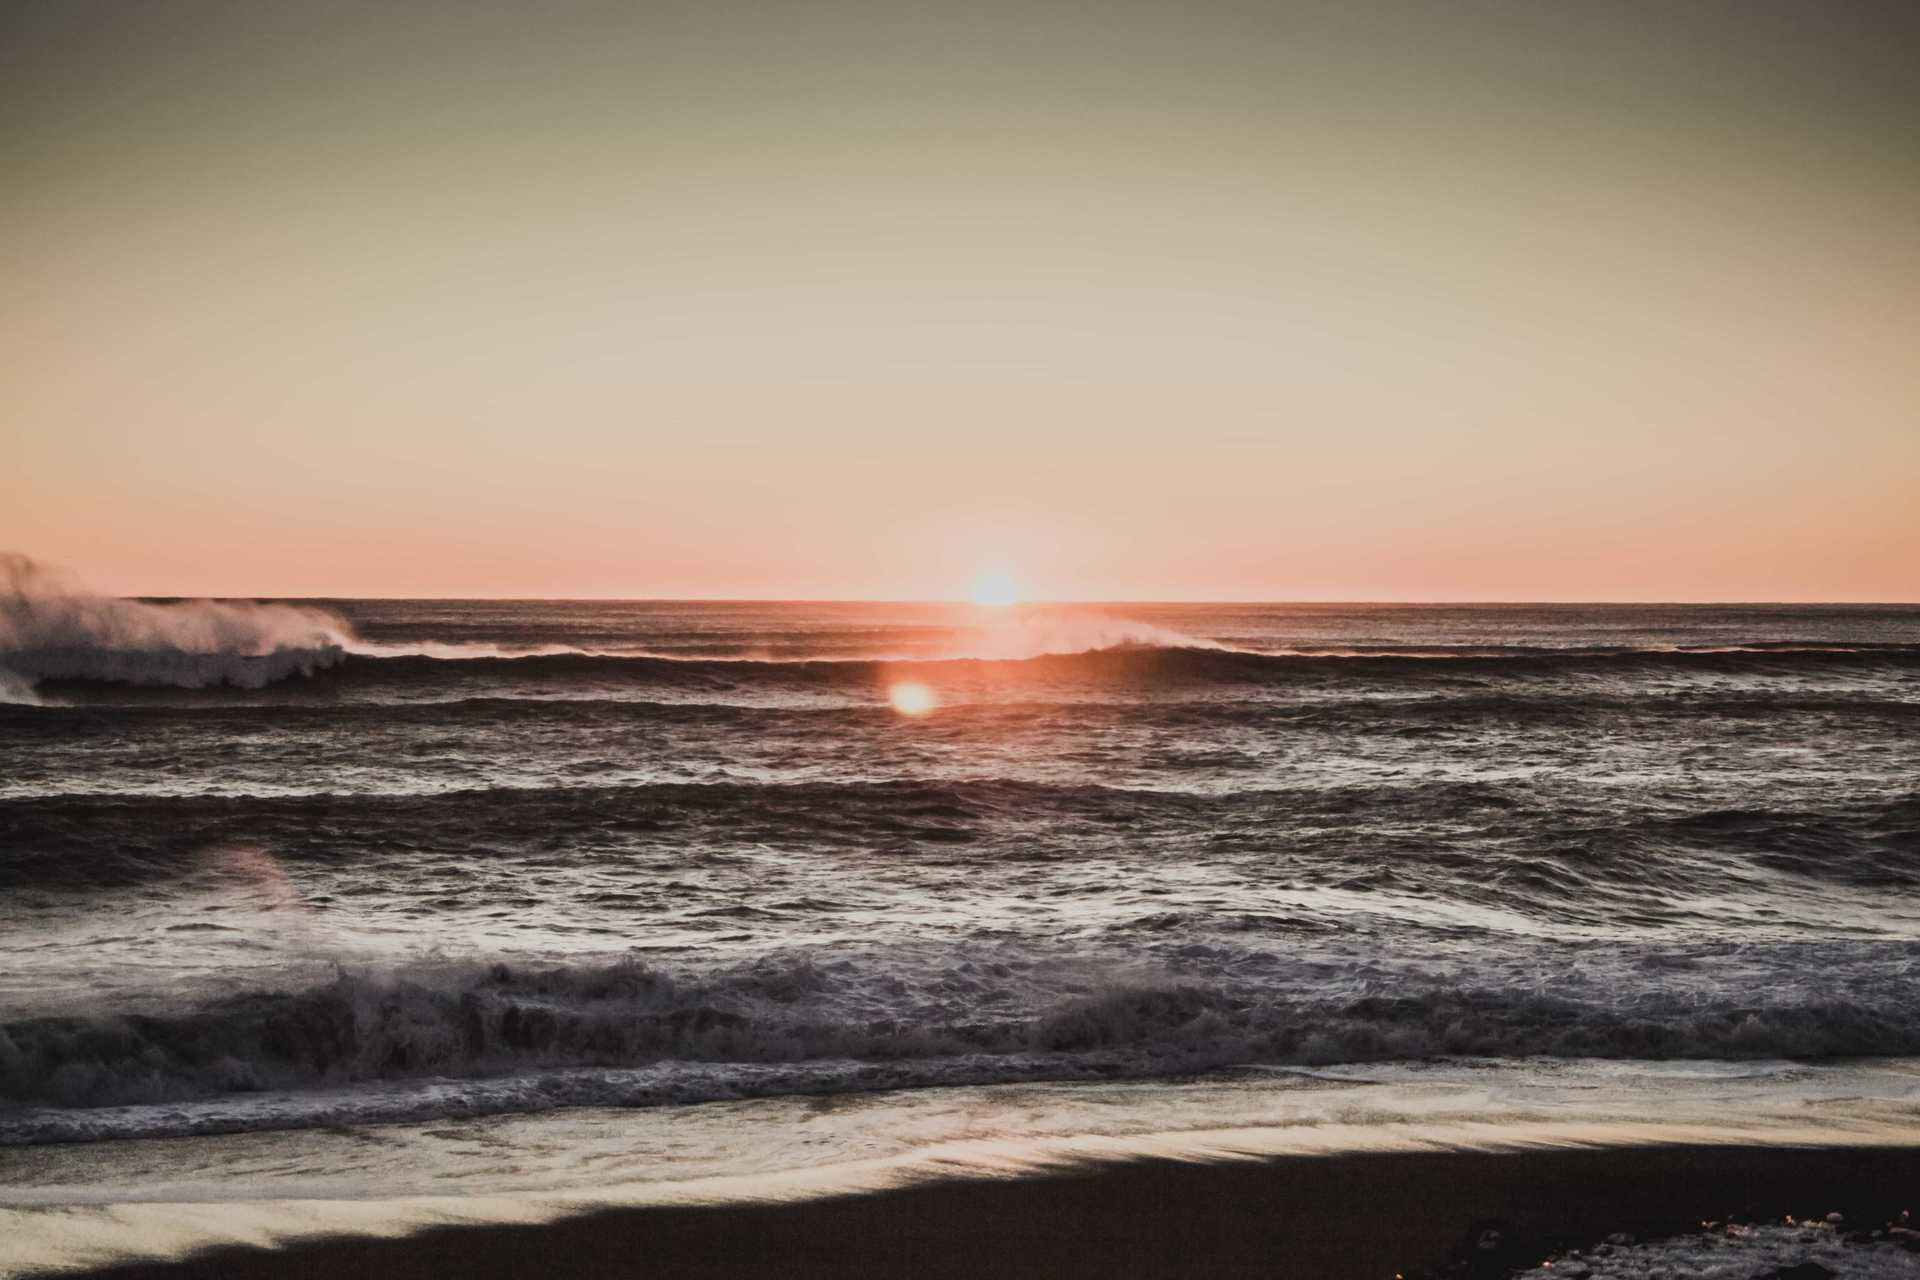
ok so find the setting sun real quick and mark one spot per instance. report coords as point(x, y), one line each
point(995, 591)
point(912, 698)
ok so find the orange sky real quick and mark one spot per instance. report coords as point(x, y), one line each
point(1222, 300)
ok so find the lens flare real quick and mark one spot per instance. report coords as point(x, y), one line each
point(912, 698)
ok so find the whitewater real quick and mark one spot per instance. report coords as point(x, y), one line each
point(289, 865)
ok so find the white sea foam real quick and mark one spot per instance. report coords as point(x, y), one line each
point(1047, 632)
point(438, 1038)
point(1037, 633)
point(18, 690)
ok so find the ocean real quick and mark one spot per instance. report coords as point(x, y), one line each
point(267, 869)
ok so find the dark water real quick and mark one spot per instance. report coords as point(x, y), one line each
point(388, 859)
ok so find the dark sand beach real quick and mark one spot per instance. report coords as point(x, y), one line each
point(1368, 1215)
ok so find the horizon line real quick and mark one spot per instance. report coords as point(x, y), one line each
point(1052, 603)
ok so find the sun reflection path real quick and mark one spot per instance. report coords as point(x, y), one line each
point(912, 698)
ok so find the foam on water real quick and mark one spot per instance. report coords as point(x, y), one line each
point(458, 1039)
point(285, 865)
point(120, 1200)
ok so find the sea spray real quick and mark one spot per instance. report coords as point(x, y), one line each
point(52, 627)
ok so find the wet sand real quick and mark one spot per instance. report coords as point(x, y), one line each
point(1358, 1215)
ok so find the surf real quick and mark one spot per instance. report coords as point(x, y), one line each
point(52, 628)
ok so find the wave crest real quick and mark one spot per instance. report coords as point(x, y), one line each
point(1011, 1021)
point(54, 628)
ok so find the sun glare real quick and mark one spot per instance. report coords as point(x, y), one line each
point(995, 591)
point(911, 698)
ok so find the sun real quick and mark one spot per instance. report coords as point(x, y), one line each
point(995, 591)
point(911, 698)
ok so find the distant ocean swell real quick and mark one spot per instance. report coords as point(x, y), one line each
point(325, 669)
point(1412, 712)
point(990, 1017)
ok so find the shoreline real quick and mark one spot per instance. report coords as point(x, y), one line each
point(1208, 1210)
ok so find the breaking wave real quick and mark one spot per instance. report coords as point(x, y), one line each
point(53, 628)
point(787, 1023)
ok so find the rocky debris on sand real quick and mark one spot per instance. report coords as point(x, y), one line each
point(1785, 1249)
point(1820, 1248)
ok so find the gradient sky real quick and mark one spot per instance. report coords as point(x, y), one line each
point(1527, 300)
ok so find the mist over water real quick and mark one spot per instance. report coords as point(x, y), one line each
point(283, 865)
point(52, 627)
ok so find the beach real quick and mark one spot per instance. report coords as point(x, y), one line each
point(1347, 1172)
point(1346, 1217)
